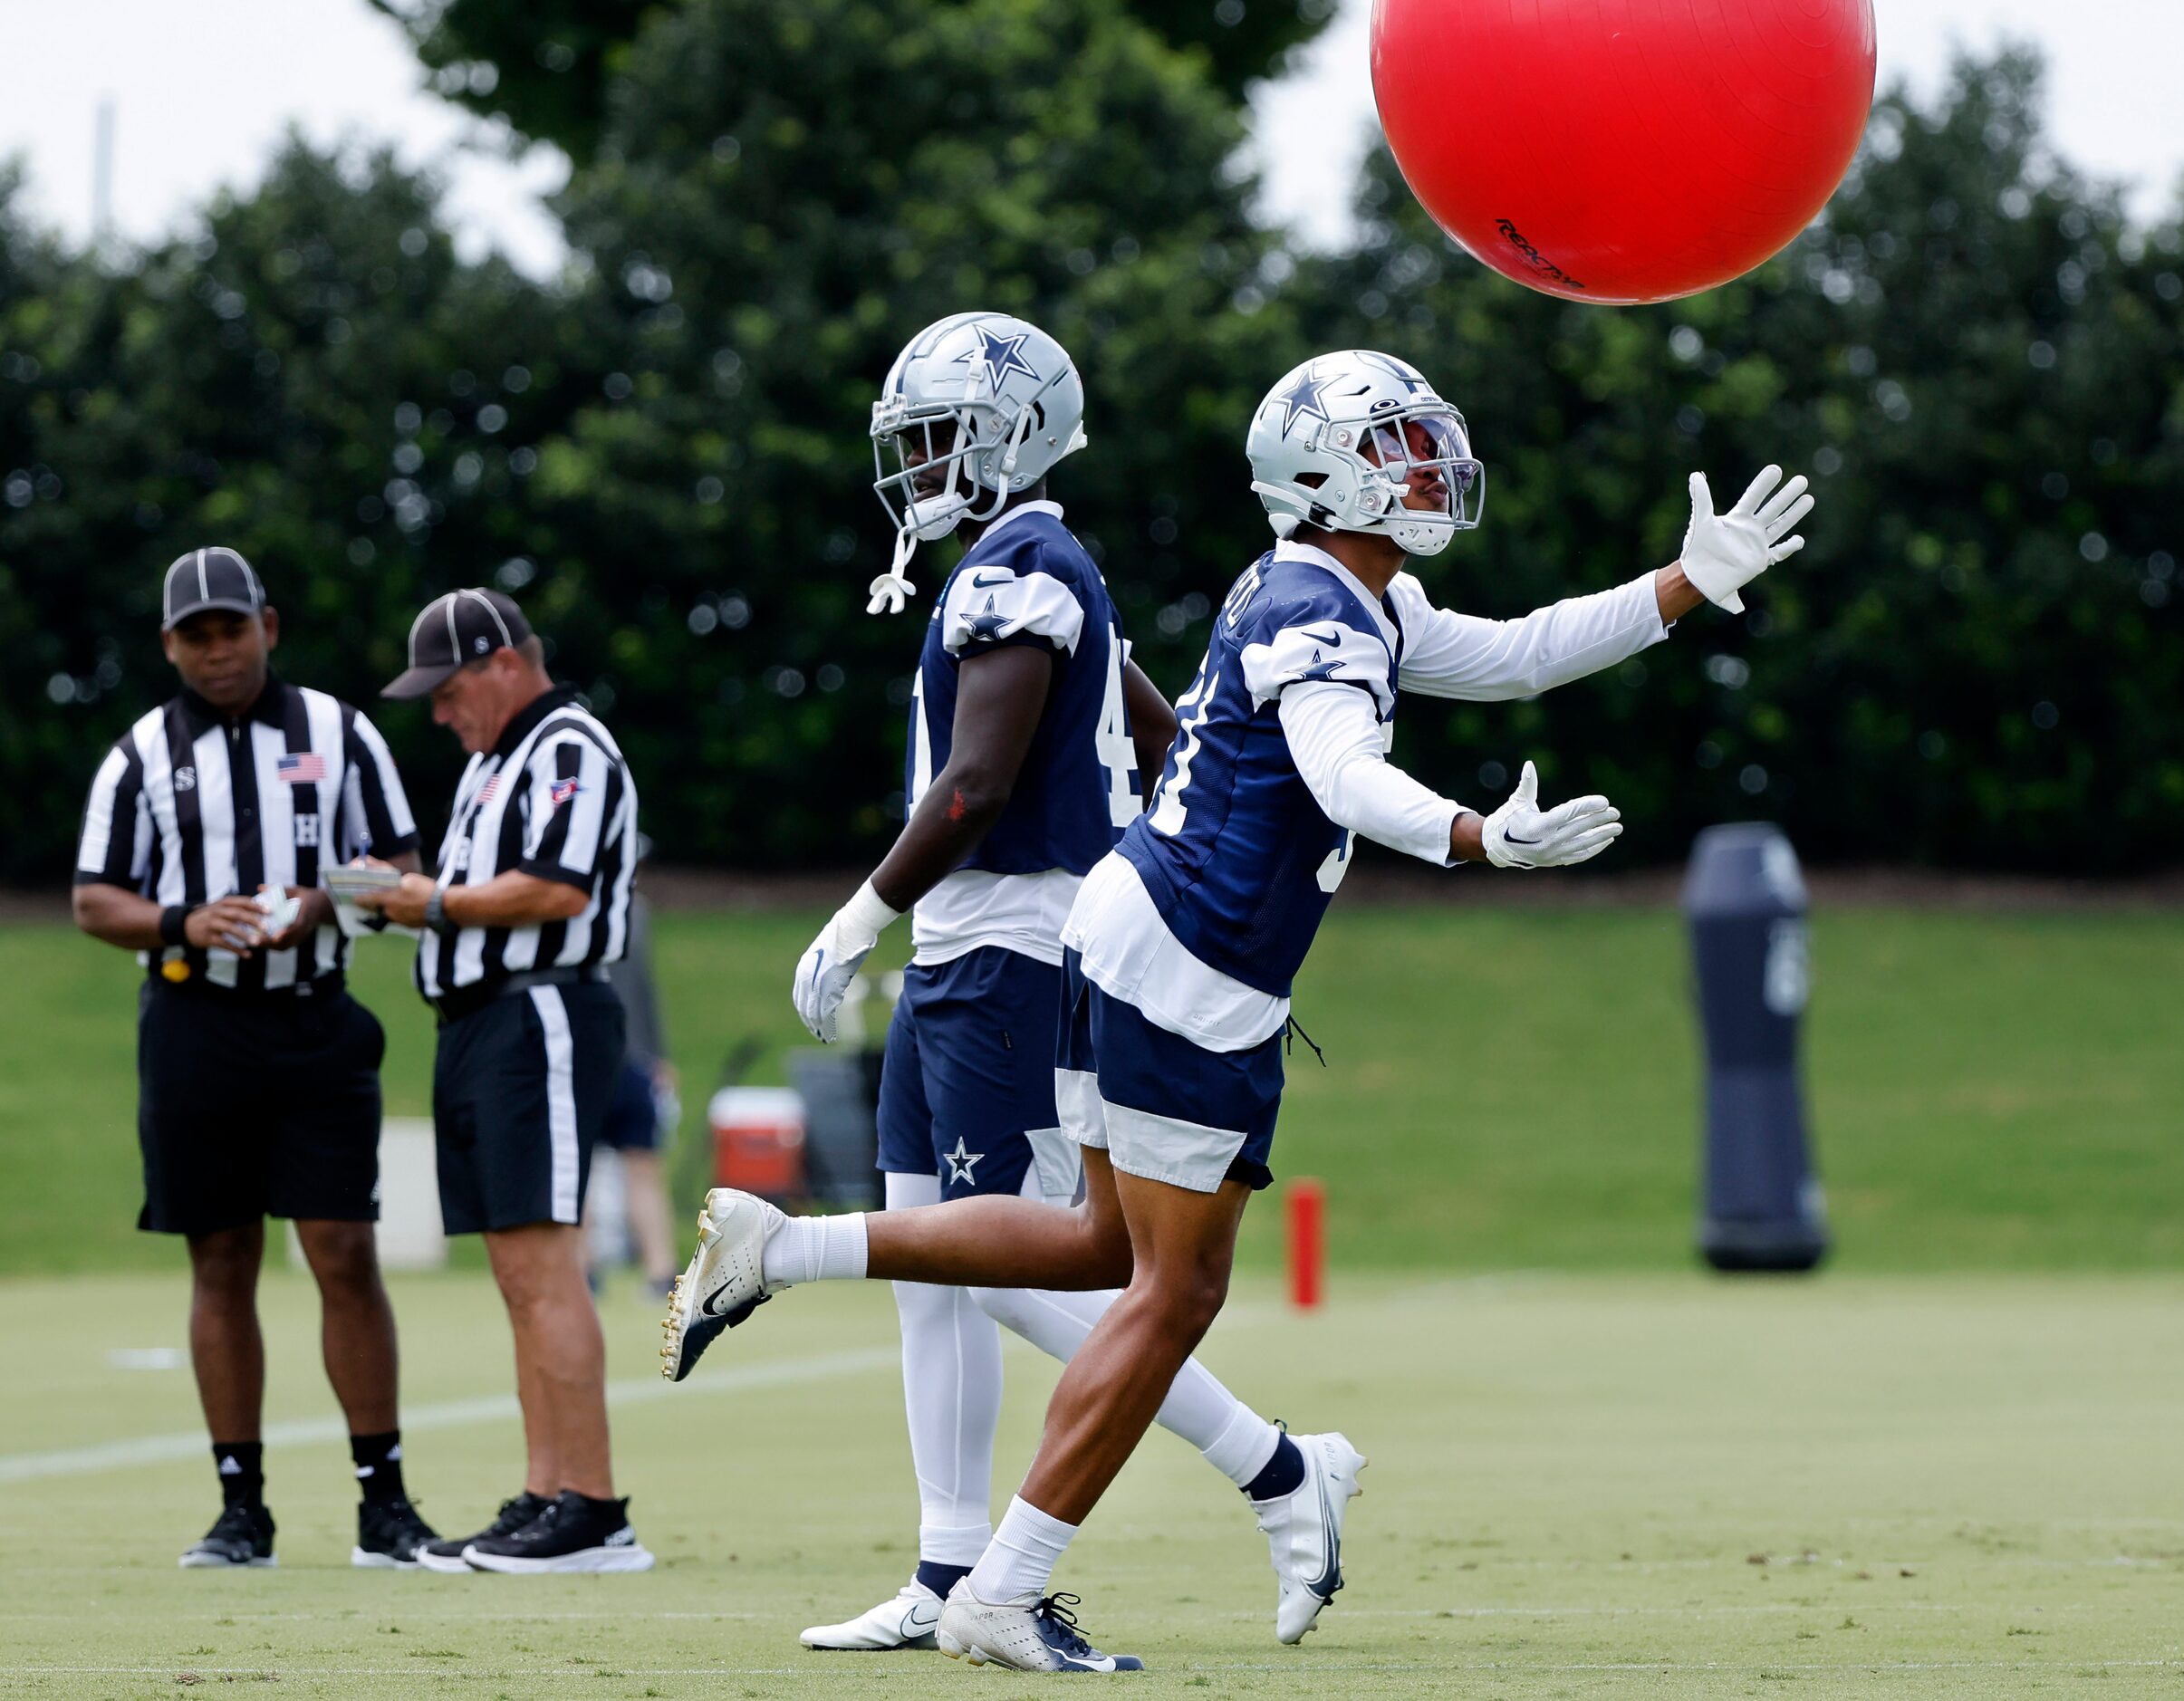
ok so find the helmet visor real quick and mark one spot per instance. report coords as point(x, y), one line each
point(1429, 454)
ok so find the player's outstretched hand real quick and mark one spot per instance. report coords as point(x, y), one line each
point(1723, 552)
point(1521, 835)
point(831, 964)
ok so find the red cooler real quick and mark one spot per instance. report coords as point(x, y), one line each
point(758, 1140)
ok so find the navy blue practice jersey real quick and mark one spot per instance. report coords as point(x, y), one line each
point(1027, 581)
point(1237, 855)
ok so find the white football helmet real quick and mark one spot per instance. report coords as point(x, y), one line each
point(1334, 443)
point(977, 408)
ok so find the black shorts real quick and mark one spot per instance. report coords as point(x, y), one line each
point(253, 1105)
point(632, 1123)
point(520, 1089)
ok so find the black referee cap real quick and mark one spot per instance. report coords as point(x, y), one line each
point(461, 627)
point(208, 578)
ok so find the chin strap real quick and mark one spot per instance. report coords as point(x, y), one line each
point(891, 590)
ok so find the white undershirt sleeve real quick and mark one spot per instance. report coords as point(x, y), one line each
point(1341, 750)
point(1447, 654)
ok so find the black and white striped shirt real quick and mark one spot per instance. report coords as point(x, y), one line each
point(553, 799)
point(187, 808)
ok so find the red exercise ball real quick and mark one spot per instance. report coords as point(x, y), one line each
point(1622, 151)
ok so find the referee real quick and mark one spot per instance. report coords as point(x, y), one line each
point(529, 902)
point(258, 1083)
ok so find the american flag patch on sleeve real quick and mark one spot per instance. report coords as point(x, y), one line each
point(304, 768)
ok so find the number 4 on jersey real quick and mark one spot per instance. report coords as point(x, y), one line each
point(1117, 755)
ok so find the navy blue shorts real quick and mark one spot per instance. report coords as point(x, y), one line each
point(1162, 1107)
point(966, 1088)
point(632, 1123)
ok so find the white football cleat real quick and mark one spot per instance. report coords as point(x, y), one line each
point(726, 1280)
point(906, 1620)
point(1040, 1637)
point(1304, 1531)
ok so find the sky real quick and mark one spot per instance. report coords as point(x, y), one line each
point(203, 88)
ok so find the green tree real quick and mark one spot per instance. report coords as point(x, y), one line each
point(764, 237)
point(311, 376)
point(549, 66)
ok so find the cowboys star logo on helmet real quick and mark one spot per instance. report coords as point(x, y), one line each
point(1336, 442)
point(977, 407)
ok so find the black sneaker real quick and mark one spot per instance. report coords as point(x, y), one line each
point(388, 1536)
point(572, 1534)
point(240, 1535)
point(448, 1555)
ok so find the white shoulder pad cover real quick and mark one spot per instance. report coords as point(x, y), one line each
point(1319, 649)
point(987, 605)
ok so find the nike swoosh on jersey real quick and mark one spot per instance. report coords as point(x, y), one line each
point(982, 582)
point(1323, 637)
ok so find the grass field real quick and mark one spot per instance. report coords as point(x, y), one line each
point(1505, 1087)
point(1649, 1486)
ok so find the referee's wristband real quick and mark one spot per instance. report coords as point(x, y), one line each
point(435, 913)
point(173, 920)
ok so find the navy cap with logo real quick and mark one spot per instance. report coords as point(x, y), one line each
point(462, 627)
point(208, 578)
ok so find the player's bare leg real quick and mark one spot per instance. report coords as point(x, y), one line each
point(559, 1356)
point(748, 1251)
point(356, 1321)
point(226, 1350)
point(1000, 1243)
point(1184, 1244)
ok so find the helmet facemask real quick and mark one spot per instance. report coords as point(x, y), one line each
point(941, 450)
point(1395, 447)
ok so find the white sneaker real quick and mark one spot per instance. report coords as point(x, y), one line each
point(1040, 1637)
point(725, 1281)
point(1304, 1531)
point(905, 1621)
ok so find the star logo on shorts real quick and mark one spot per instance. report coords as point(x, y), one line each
point(960, 1162)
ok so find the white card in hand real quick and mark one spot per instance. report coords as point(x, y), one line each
point(281, 911)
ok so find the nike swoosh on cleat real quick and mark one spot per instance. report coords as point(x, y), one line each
point(1330, 1578)
point(708, 1309)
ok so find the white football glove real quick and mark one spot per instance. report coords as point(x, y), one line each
point(1723, 552)
point(827, 968)
point(1520, 835)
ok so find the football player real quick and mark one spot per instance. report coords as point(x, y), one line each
point(1030, 729)
point(1181, 946)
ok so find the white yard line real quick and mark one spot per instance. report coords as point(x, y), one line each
point(608, 1672)
point(453, 1414)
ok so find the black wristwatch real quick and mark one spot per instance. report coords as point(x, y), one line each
point(436, 914)
point(173, 920)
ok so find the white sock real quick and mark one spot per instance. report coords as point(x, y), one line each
point(1020, 1560)
point(951, 1393)
point(816, 1249)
